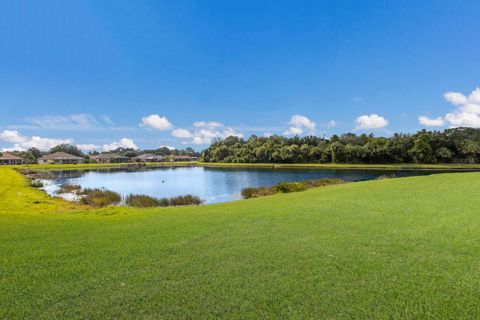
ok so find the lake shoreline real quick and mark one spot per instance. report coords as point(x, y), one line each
point(210, 183)
point(399, 166)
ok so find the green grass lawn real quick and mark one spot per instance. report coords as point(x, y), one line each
point(394, 248)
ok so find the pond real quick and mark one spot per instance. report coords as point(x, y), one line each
point(210, 184)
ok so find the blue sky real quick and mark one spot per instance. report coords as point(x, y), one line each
point(102, 74)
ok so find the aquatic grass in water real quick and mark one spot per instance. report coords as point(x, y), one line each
point(68, 188)
point(290, 187)
point(286, 187)
point(99, 197)
point(141, 201)
point(184, 200)
point(257, 192)
point(144, 201)
point(36, 183)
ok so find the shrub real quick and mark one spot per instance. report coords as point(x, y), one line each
point(184, 200)
point(142, 201)
point(36, 183)
point(100, 197)
point(290, 187)
point(163, 202)
point(257, 192)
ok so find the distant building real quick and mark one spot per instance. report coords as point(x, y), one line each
point(60, 158)
point(110, 158)
point(10, 159)
point(184, 158)
point(148, 157)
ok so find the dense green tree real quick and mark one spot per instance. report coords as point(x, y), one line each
point(36, 153)
point(470, 150)
point(456, 145)
point(444, 154)
point(68, 149)
point(422, 151)
point(130, 153)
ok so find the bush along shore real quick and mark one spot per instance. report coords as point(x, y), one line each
point(101, 197)
point(286, 187)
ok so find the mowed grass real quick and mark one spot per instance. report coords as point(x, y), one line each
point(393, 248)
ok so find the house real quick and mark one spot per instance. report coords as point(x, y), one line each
point(110, 158)
point(148, 157)
point(10, 159)
point(60, 158)
point(184, 158)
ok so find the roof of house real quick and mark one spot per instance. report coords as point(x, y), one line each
point(61, 156)
point(9, 156)
point(109, 156)
point(149, 156)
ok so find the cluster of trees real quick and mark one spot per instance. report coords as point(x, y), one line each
point(31, 155)
point(459, 145)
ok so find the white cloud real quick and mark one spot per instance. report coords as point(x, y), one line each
point(12, 136)
point(331, 124)
point(208, 124)
point(123, 143)
point(80, 121)
point(205, 132)
point(267, 134)
point(293, 131)
point(455, 98)
point(466, 113)
point(72, 122)
point(298, 124)
point(88, 147)
point(299, 121)
point(154, 121)
point(463, 119)
point(426, 121)
point(181, 133)
point(205, 135)
point(373, 121)
point(21, 142)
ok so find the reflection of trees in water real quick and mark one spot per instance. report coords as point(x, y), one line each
point(68, 174)
point(71, 174)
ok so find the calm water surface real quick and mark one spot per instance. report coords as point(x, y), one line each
point(210, 184)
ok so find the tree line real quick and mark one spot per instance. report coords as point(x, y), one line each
point(458, 145)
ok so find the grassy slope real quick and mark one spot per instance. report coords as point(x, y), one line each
point(381, 249)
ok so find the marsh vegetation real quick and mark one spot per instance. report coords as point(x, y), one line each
point(286, 187)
